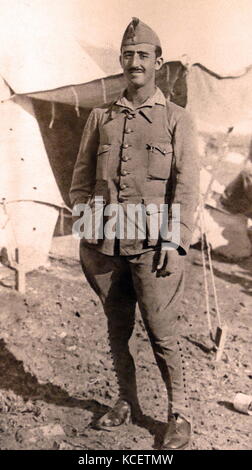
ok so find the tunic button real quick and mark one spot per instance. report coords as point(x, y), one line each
point(120, 199)
point(125, 159)
point(130, 116)
point(125, 146)
point(123, 186)
point(128, 131)
point(124, 172)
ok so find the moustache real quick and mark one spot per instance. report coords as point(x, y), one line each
point(136, 69)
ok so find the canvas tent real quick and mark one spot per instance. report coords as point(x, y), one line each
point(30, 196)
point(222, 101)
point(41, 131)
point(219, 100)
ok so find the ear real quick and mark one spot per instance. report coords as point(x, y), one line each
point(120, 60)
point(159, 63)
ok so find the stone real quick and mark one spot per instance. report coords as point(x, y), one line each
point(47, 432)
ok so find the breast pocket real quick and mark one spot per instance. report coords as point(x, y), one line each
point(159, 160)
point(102, 160)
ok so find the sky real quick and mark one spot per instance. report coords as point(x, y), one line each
point(217, 33)
point(43, 42)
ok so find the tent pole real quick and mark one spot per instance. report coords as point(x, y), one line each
point(20, 273)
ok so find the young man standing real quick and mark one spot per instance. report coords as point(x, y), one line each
point(141, 149)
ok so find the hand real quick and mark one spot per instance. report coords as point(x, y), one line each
point(168, 263)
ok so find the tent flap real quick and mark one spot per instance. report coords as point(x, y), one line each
point(171, 79)
point(223, 101)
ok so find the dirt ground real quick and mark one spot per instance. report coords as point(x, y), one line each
point(56, 369)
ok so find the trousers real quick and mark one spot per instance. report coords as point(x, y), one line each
point(123, 281)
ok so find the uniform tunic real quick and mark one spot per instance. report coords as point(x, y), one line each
point(126, 156)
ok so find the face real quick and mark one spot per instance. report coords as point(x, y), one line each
point(139, 64)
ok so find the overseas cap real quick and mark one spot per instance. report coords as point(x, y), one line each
point(138, 32)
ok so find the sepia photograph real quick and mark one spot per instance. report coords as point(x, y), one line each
point(126, 228)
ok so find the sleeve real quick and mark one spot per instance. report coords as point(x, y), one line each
point(84, 173)
point(186, 177)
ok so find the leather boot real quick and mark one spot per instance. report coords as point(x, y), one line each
point(118, 415)
point(177, 435)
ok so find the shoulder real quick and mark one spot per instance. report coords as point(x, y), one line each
point(101, 110)
point(177, 112)
point(100, 114)
point(177, 115)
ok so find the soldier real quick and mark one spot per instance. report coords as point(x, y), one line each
point(140, 149)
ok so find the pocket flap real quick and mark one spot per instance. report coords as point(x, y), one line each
point(103, 148)
point(160, 148)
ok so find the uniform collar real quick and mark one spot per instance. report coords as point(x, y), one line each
point(145, 108)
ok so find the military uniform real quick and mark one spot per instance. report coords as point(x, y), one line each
point(131, 155)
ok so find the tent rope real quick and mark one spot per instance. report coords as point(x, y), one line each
point(204, 269)
point(172, 93)
point(4, 201)
point(53, 115)
point(204, 240)
point(104, 91)
point(211, 267)
point(77, 104)
point(61, 214)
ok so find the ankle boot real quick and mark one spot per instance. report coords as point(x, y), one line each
point(177, 435)
point(118, 415)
